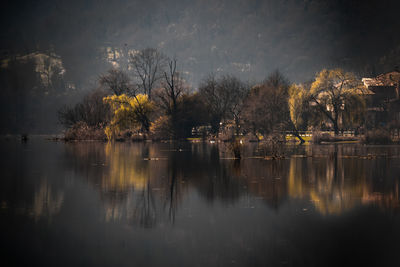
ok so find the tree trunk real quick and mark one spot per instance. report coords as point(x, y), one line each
point(237, 126)
point(335, 127)
point(296, 133)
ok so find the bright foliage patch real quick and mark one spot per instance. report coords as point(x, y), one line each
point(128, 113)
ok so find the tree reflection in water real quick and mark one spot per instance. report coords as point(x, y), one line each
point(97, 202)
point(145, 184)
point(173, 190)
point(145, 210)
point(47, 201)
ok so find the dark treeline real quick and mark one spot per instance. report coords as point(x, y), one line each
point(151, 99)
point(32, 90)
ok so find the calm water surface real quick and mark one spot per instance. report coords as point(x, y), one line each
point(98, 204)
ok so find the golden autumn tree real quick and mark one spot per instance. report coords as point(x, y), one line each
point(128, 112)
point(298, 107)
point(338, 95)
point(297, 95)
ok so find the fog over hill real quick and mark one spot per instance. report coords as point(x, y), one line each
point(247, 38)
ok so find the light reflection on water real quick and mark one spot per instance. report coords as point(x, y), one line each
point(136, 180)
point(196, 200)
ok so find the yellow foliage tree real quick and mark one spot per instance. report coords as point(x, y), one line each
point(298, 97)
point(128, 112)
point(298, 104)
point(337, 94)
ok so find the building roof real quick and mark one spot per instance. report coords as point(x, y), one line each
point(386, 79)
point(364, 91)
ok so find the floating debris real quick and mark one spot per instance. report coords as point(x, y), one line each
point(299, 156)
point(274, 157)
point(154, 158)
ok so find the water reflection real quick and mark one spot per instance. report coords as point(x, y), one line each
point(27, 186)
point(340, 181)
point(47, 202)
point(145, 184)
point(188, 204)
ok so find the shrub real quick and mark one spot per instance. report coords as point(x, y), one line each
point(129, 113)
point(273, 146)
point(81, 131)
point(377, 136)
point(318, 137)
point(161, 129)
point(92, 111)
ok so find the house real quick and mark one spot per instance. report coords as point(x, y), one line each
point(383, 101)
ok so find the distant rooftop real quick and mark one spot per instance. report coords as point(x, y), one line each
point(386, 79)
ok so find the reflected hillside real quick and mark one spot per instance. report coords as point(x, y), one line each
point(27, 186)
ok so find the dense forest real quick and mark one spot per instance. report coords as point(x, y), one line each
point(245, 39)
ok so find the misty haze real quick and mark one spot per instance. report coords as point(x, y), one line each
point(200, 133)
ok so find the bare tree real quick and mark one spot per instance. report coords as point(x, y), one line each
point(172, 88)
point(148, 67)
point(235, 92)
point(91, 110)
point(224, 98)
point(170, 93)
point(117, 82)
point(213, 99)
point(266, 108)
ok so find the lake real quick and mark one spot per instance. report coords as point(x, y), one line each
point(191, 204)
